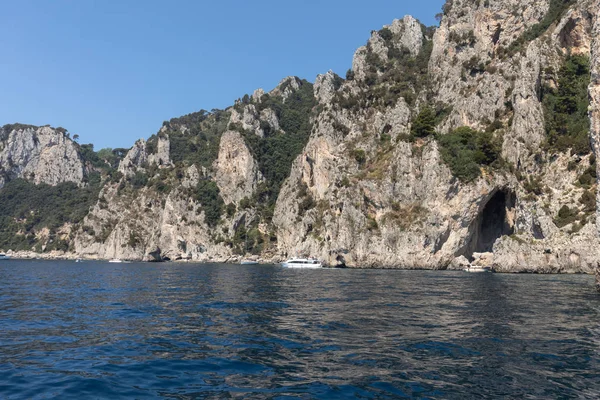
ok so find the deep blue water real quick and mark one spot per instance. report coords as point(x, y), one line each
point(183, 331)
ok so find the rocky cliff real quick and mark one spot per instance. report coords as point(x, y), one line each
point(367, 176)
point(39, 155)
point(478, 136)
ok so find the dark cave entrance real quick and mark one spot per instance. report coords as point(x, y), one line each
point(494, 221)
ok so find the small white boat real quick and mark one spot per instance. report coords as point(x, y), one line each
point(4, 257)
point(302, 263)
point(115, 260)
point(478, 268)
point(78, 260)
point(248, 262)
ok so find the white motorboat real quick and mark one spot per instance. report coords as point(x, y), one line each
point(302, 263)
point(248, 262)
point(478, 268)
point(4, 257)
point(115, 260)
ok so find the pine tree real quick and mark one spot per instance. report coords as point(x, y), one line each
point(424, 124)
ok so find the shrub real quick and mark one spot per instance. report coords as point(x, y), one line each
point(245, 203)
point(465, 150)
point(307, 202)
point(350, 75)
point(139, 180)
point(359, 155)
point(566, 109)
point(231, 209)
point(372, 224)
point(588, 200)
point(533, 185)
point(424, 124)
point(386, 34)
point(565, 216)
point(207, 193)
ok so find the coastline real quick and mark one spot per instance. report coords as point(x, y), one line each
point(529, 270)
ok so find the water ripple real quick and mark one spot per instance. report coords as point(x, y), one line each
point(143, 331)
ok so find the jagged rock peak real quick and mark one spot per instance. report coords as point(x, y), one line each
point(406, 34)
point(145, 153)
point(325, 86)
point(286, 87)
point(163, 148)
point(135, 158)
point(409, 32)
point(257, 95)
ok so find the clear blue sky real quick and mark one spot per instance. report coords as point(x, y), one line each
point(113, 70)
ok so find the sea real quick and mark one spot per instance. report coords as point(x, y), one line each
point(95, 330)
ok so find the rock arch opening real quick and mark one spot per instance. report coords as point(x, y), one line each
point(496, 219)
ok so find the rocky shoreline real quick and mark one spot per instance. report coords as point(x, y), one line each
point(459, 264)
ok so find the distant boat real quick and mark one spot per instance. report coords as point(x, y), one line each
point(4, 257)
point(78, 260)
point(310, 263)
point(478, 268)
point(115, 260)
point(248, 262)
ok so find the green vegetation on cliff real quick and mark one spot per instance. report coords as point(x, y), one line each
point(275, 152)
point(566, 107)
point(28, 208)
point(207, 194)
point(401, 75)
point(465, 151)
point(194, 138)
point(555, 11)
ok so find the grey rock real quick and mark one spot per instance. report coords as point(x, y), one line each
point(135, 158)
point(39, 155)
point(237, 173)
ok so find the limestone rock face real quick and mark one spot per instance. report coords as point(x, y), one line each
point(286, 87)
point(459, 264)
point(162, 156)
point(407, 35)
point(527, 130)
point(410, 34)
point(39, 155)
point(257, 95)
point(135, 158)
point(354, 201)
point(253, 120)
point(270, 117)
point(594, 92)
point(249, 119)
point(325, 87)
point(236, 172)
point(559, 254)
point(140, 226)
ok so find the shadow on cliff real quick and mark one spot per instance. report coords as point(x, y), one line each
point(496, 219)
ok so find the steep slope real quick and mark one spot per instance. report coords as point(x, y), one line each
point(48, 183)
point(470, 141)
point(508, 171)
point(205, 186)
